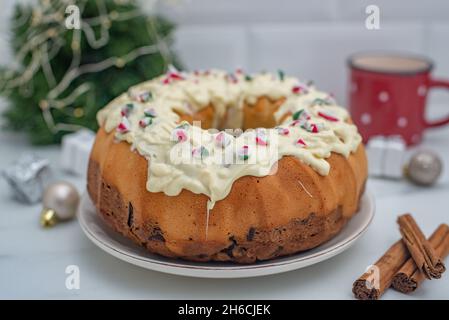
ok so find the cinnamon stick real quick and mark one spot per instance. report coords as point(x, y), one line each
point(422, 252)
point(373, 283)
point(409, 277)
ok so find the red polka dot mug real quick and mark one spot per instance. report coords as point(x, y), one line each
point(388, 94)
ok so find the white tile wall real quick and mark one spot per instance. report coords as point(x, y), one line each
point(220, 46)
point(311, 39)
point(247, 11)
point(396, 10)
point(319, 52)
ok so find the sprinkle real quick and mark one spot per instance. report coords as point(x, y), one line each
point(243, 153)
point(239, 71)
point(171, 76)
point(321, 102)
point(301, 114)
point(124, 125)
point(281, 75)
point(327, 116)
point(248, 78)
point(143, 123)
point(179, 135)
point(310, 127)
point(200, 153)
point(184, 125)
point(261, 141)
point(126, 109)
point(282, 131)
point(300, 89)
point(144, 96)
point(175, 76)
point(232, 78)
point(301, 142)
point(222, 139)
point(150, 112)
point(295, 123)
point(296, 89)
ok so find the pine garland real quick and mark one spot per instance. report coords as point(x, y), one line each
point(51, 93)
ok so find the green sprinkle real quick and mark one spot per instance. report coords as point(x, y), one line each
point(281, 75)
point(248, 78)
point(320, 102)
point(183, 125)
point(297, 114)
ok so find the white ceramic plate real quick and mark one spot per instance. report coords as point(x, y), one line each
point(126, 250)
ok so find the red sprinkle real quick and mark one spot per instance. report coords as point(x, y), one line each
point(327, 117)
point(297, 89)
point(261, 142)
point(301, 142)
point(175, 76)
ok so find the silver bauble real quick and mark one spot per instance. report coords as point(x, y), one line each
point(60, 202)
point(424, 168)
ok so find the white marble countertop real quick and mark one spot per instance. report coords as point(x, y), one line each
point(33, 260)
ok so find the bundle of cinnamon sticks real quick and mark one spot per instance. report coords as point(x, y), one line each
point(407, 263)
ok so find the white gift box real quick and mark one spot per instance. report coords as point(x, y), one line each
point(386, 156)
point(76, 150)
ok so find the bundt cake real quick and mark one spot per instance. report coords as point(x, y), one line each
point(217, 166)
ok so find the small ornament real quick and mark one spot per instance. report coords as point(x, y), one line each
point(75, 151)
point(60, 202)
point(424, 168)
point(28, 177)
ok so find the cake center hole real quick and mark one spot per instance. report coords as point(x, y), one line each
point(248, 116)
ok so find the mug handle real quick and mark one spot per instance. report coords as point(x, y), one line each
point(433, 83)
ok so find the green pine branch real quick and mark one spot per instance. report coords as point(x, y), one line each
point(23, 112)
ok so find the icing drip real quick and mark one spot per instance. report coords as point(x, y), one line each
point(147, 117)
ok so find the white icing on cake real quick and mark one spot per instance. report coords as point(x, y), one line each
point(150, 125)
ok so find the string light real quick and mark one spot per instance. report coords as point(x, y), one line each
point(44, 46)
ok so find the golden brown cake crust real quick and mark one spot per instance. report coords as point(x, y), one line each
point(293, 210)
